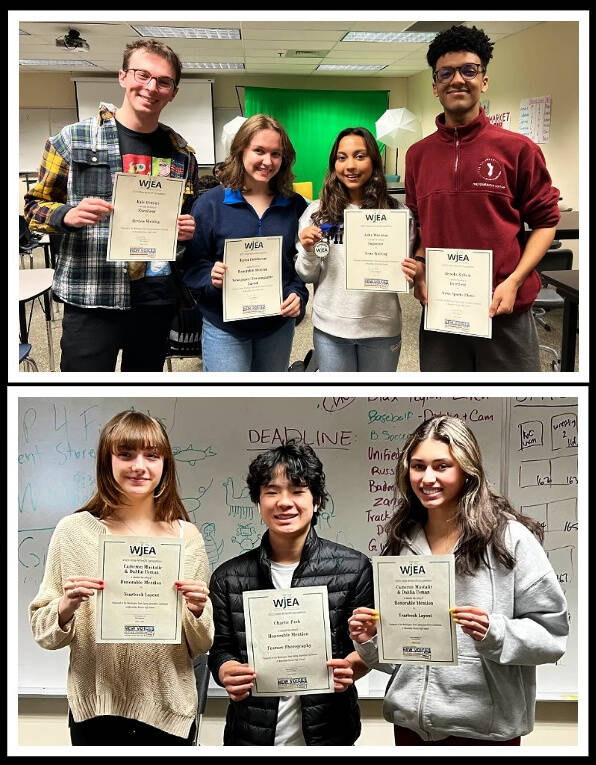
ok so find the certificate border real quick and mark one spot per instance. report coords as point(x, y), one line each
point(281, 286)
point(180, 182)
point(402, 211)
point(488, 336)
point(391, 560)
point(250, 596)
point(103, 542)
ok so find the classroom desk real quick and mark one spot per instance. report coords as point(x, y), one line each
point(568, 226)
point(34, 283)
point(567, 285)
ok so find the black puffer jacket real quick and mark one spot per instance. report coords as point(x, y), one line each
point(329, 719)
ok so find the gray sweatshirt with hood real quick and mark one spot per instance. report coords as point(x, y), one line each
point(491, 693)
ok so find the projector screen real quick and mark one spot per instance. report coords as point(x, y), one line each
point(190, 113)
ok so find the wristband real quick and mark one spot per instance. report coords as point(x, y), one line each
point(419, 258)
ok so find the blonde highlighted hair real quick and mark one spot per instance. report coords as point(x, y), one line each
point(232, 175)
point(482, 513)
point(135, 431)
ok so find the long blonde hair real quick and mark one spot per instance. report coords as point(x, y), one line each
point(134, 430)
point(232, 175)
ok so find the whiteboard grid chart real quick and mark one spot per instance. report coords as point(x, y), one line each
point(529, 448)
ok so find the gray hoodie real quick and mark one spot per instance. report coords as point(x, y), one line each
point(491, 693)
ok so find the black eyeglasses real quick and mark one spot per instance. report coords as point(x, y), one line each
point(144, 77)
point(447, 73)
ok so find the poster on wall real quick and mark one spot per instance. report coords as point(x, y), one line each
point(534, 118)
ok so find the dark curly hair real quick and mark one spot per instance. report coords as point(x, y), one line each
point(460, 38)
point(301, 466)
point(334, 197)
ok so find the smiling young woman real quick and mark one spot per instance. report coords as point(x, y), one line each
point(511, 609)
point(353, 331)
point(125, 693)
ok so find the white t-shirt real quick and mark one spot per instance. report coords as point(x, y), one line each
point(289, 717)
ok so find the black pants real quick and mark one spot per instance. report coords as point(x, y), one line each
point(108, 730)
point(92, 337)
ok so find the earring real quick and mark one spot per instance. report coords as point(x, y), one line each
point(159, 493)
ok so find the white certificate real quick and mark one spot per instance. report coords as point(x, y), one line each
point(413, 594)
point(459, 289)
point(139, 603)
point(253, 281)
point(375, 244)
point(288, 639)
point(144, 223)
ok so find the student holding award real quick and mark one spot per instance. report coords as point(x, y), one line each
point(471, 186)
point(354, 331)
point(249, 317)
point(510, 606)
point(127, 693)
point(288, 485)
point(125, 301)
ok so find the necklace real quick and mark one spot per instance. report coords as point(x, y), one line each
point(135, 533)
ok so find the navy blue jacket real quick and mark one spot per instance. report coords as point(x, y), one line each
point(222, 214)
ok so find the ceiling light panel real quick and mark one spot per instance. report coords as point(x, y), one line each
point(389, 37)
point(71, 62)
point(196, 33)
point(350, 67)
point(212, 65)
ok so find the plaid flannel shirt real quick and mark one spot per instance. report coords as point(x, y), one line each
point(80, 161)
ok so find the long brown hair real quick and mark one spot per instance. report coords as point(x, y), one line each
point(134, 430)
point(482, 513)
point(232, 175)
point(334, 197)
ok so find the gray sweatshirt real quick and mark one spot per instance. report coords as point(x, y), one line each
point(491, 693)
point(336, 310)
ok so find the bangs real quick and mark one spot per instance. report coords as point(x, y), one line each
point(136, 431)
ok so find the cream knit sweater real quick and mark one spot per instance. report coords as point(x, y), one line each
point(151, 683)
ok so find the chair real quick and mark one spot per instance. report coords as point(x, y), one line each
point(201, 670)
point(28, 363)
point(29, 241)
point(304, 188)
point(185, 336)
point(548, 299)
point(36, 283)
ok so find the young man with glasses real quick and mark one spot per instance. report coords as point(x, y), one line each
point(110, 306)
point(472, 185)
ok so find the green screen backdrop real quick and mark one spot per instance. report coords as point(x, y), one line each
point(313, 118)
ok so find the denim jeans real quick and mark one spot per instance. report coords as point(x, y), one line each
point(367, 354)
point(222, 352)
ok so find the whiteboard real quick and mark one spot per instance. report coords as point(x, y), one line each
point(543, 479)
point(214, 439)
point(190, 113)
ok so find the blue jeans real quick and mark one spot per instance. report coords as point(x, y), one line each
point(222, 352)
point(367, 354)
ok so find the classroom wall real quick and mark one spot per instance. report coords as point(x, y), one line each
point(42, 722)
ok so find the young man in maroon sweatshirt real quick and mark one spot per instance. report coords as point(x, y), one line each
point(472, 185)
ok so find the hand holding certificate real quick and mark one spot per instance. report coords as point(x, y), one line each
point(376, 242)
point(413, 595)
point(288, 638)
point(139, 603)
point(144, 224)
point(459, 291)
point(252, 286)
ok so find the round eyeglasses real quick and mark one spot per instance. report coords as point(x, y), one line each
point(144, 77)
point(447, 73)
